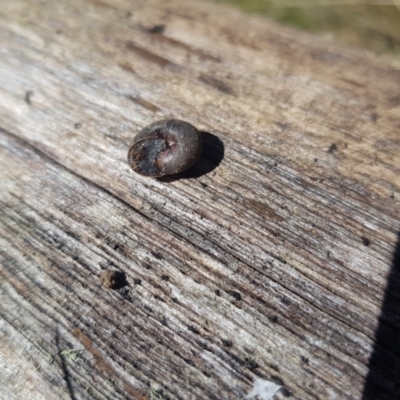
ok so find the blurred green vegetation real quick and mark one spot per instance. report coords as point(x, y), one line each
point(372, 24)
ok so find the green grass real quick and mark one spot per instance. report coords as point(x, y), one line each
point(375, 27)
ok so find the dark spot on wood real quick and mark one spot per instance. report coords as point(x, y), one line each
point(235, 295)
point(273, 318)
point(226, 343)
point(73, 235)
point(77, 125)
point(216, 84)
point(157, 29)
point(309, 371)
point(164, 277)
point(217, 292)
point(366, 241)
point(189, 361)
point(146, 266)
point(114, 245)
point(204, 185)
point(157, 255)
point(285, 301)
point(251, 364)
point(276, 379)
point(304, 359)
point(282, 260)
point(175, 300)
point(315, 159)
point(148, 55)
point(111, 279)
point(194, 330)
point(28, 97)
point(157, 286)
point(137, 281)
point(144, 103)
point(286, 392)
point(157, 297)
point(332, 148)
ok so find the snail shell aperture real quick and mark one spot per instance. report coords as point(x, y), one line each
point(165, 147)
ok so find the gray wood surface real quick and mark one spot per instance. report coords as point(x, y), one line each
point(269, 259)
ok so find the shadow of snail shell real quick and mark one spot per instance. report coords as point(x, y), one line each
point(165, 147)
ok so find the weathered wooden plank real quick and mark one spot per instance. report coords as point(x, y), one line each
point(269, 259)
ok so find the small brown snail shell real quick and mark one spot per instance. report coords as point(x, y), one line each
point(165, 147)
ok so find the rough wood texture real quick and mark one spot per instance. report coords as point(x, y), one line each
point(269, 259)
